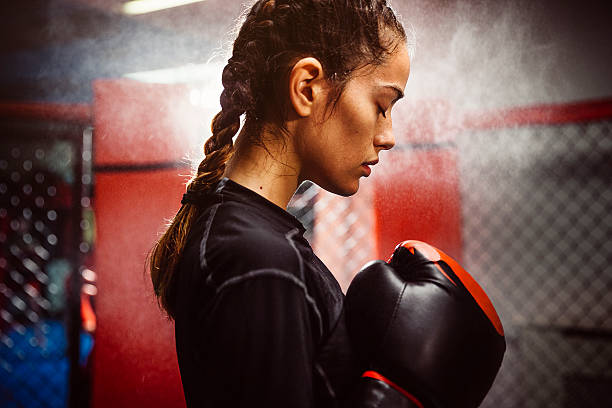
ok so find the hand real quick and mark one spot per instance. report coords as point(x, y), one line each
point(424, 330)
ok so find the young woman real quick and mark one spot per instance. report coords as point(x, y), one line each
point(258, 317)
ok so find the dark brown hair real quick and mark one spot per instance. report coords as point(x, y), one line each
point(343, 35)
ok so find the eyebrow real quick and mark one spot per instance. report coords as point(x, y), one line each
point(399, 92)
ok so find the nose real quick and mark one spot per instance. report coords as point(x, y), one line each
point(384, 138)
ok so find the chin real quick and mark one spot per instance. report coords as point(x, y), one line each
point(346, 189)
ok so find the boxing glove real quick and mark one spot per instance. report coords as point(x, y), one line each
point(425, 332)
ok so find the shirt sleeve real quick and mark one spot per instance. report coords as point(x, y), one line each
point(259, 344)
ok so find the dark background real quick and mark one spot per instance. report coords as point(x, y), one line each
point(477, 54)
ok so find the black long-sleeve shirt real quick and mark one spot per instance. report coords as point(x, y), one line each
point(259, 318)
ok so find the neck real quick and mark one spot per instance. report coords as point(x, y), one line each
point(270, 171)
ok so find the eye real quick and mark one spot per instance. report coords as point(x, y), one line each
point(382, 112)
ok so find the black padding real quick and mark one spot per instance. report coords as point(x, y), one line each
point(415, 327)
point(372, 393)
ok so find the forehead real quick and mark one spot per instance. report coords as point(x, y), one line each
point(393, 71)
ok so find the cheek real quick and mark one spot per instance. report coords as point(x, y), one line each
point(355, 122)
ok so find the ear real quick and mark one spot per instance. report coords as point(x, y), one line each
point(306, 85)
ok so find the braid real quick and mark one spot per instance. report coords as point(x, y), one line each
point(219, 148)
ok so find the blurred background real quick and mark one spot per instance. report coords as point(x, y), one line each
point(503, 160)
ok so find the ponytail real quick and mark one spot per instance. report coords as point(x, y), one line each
point(166, 252)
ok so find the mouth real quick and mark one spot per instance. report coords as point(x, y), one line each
point(366, 167)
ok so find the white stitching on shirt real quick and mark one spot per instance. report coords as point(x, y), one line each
point(289, 237)
point(325, 379)
point(203, 263)
point(221, 185)
point(276, 273)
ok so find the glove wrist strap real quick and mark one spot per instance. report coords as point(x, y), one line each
point(377, 376)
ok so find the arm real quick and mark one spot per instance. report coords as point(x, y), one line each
point(259, 344)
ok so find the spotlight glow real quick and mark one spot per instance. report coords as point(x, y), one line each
point(148, 6)
point(210, 72)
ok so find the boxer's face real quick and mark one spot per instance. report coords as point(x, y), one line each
point(359, 128)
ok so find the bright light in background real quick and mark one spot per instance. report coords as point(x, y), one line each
point(186, 74)
point(195, 97)
point(203, 80)
point(149, 6)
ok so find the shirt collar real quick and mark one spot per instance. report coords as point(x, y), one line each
point(229, 189)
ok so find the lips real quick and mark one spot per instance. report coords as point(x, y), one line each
point(366, 167)
point(366, 170)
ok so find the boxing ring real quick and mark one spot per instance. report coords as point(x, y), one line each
point(522, 197)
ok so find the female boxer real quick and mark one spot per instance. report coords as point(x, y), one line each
point(258, 317)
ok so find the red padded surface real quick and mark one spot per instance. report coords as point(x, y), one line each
point(135, 360)
point(134, 124)
point(138, 123)
point(417, 197)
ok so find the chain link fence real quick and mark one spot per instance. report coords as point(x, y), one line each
point(339, 229)
point(537, 229)
point(537, 211)
point(41, 231)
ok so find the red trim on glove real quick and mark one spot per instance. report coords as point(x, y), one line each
point(444, 273)
point(377, 376)
point(479, 295)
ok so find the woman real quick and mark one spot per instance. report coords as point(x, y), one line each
point(258, 317)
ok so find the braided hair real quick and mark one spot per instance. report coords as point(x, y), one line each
point(344, 35)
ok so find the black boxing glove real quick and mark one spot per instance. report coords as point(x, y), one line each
point(425, 332)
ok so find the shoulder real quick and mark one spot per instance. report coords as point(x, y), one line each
point(236, 240)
